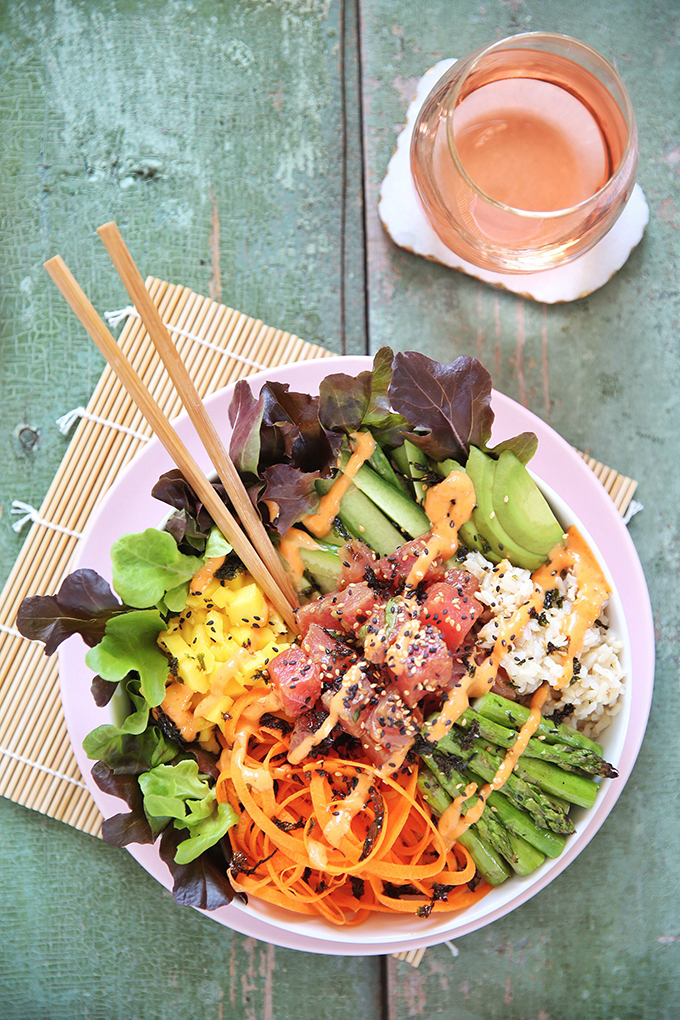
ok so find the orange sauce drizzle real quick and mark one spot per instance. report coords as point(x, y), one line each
point(320, 523)
point(290, 546)
point(448, 505)
point(177, 706)
point(593, 591)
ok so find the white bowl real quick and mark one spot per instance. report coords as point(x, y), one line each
point(577, 497)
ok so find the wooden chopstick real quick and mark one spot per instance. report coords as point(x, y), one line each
point(208, 434)
point(86, 313)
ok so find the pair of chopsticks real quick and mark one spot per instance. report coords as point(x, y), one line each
point(252, 545)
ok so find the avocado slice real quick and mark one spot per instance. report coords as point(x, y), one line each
point(471, 539)
point(521, 507)
point(482, 469)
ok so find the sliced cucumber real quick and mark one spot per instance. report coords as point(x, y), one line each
point(323, 566)
point(392, 501)
point(364, 520)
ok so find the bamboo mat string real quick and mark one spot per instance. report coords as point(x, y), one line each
point(68, 420)
point(115, 318)
point(31, 514)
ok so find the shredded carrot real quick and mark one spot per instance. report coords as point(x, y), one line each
point(334, 837)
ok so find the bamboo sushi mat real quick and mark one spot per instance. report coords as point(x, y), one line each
point(219, 345)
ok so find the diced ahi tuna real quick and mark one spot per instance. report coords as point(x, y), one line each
point(452, 608)
point(307, 724)
point(374, 641)
point(344, 610)
point(297, 679)
point(389, 728)
point(331, 656)
point(375, 717)
point(418, 661)
point(393, 570)
point(355, 556)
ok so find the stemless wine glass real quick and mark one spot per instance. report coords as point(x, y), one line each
point(525, 152)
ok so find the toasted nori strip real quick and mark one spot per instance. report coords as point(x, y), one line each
point(168, 728)
point(358, 886)
point(377, 823)
point(396, 892)
point(273, 722)
point(230, 569)
point(561, 714)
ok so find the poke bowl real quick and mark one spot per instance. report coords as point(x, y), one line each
point(577, 500)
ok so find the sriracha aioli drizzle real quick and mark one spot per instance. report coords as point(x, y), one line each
point(320, 523)
point(452, 824)
point(447, 505)
point(593, 592)
point(203, 577)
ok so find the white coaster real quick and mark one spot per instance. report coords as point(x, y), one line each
point(404, 220)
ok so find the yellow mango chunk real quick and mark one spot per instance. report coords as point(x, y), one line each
point(249, 606)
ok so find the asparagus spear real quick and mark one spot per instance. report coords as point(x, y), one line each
point(567, 757)
point(555, 781)
point(523, 856)
point(509, 713)
point(546, 811)
point(490, 865)
point(520, 823)
point(548, 781)
point(514, 818)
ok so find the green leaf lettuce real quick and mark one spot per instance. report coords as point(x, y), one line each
point(181, 793)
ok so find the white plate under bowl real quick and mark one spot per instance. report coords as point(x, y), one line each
point(578, 498)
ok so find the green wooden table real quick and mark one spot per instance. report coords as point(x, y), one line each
point(240, 145)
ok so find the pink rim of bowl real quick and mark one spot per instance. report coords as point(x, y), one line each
point(577, 496)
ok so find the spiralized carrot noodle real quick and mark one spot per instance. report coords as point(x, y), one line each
point(332, 837)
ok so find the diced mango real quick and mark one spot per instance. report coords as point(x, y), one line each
point(242, 635)
point(174, 643)
point(249, 606)
point(222, 640)
point(193, 676)
point(223, 596)
point(214, 625)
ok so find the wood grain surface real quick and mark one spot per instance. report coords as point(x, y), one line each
point(240, 145)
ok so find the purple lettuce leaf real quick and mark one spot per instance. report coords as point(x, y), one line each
point(293, 493)
point(102, 690)
point(291, 431)
point(523, 446)
point(128, 827)
point(448, 407)
point(348, 403)
point(245, 415)
point(191, 523)
point(83, 605)
point(202, 883)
